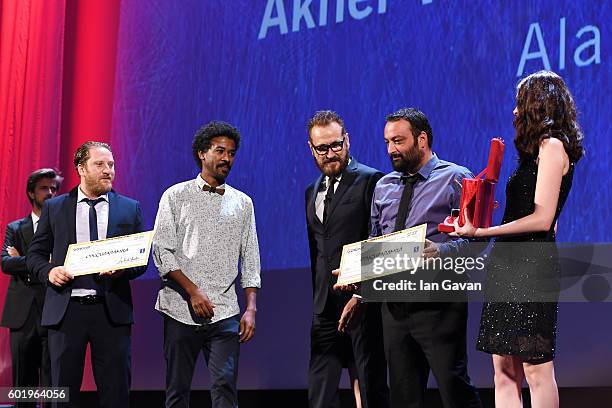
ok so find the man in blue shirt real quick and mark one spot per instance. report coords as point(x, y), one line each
point(420, 337)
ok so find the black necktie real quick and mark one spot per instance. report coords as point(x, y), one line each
point(404, 205)
point(329, 196)
point(93, 218)
point(90, 281)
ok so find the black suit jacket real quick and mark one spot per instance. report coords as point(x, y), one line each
point(348, 221)
point(23, 288)
point(57, 230)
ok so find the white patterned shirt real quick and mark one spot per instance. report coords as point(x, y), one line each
point(205, 234)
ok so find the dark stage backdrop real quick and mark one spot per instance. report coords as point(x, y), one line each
point(267, 65)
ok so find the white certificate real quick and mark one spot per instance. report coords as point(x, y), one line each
point(110, 254)
point(351, 261)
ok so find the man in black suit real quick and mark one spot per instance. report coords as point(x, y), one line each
point(24, 298)
point(338, 213)
point(87, 309)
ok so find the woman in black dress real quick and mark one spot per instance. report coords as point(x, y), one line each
point(520, 330)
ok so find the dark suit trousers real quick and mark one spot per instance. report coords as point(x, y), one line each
point(30, 354)
point(110, 354)
point(423, 336)
point(219, 342)
point(330, 350)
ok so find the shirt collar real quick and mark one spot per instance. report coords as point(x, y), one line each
point(81, 196)
point(338, 178)
point(35, 218)
point(200, 182)
point(426, 170)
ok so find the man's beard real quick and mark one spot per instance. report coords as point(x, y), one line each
point(39, 204)
point(98, 189)
point(409, 162)
point(326, 170)
point(218, 175)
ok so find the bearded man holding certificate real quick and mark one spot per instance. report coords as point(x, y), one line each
point(93, 309)
point(420, 337)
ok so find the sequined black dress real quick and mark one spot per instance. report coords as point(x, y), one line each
point(522, 270)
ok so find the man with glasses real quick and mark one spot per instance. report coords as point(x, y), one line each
point(338, 213)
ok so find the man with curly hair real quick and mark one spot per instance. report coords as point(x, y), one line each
point(204, 227)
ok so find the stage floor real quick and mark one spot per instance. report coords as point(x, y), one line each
point(569, 398)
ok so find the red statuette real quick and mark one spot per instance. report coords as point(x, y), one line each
point(478, 194)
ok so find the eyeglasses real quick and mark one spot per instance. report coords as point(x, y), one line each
point(324, 148)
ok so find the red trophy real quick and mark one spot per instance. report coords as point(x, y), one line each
point(478, 194)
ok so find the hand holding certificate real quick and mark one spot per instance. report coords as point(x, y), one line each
point(110, 254)
point(357, 266)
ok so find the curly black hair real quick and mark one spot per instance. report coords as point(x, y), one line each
point(204, 136)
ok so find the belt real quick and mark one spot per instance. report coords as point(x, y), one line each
point(88, 300)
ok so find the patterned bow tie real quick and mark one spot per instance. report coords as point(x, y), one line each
point(217, 190)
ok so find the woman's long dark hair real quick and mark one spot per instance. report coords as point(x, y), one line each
point(546, 109)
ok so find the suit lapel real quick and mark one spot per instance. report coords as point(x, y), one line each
point(348, 177)
point(312, 215)
point(112, 215)
point(27, 231)
point(69, 208)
